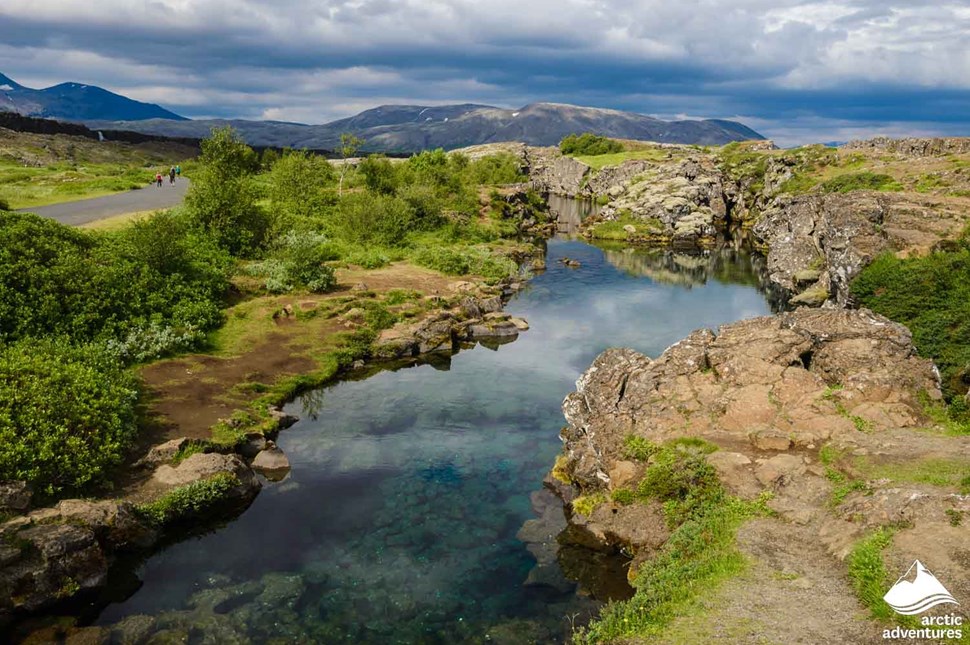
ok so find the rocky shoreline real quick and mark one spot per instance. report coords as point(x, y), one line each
point(56, 555)
point(822, 414)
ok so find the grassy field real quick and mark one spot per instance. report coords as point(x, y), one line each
point(37, 170)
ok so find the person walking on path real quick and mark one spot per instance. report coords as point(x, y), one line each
point(178, 171)
point(171, 176)
point(158, 180)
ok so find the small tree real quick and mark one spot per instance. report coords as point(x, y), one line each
point(222, 197)
point(349, 145)
point(298, 182)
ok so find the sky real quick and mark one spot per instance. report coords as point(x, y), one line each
point(797, 71)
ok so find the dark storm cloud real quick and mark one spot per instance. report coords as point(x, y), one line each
point(796, 69)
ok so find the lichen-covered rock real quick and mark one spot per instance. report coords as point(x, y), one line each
point(44, 563)
point(800, 377)
point(202, 466)
point(15, 496)
point(163, 452)
point(832, 237)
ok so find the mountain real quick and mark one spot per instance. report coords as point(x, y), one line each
point(409, 128)
point(76, 102)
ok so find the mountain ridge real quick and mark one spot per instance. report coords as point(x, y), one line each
point(409, 128)
point(76, 102)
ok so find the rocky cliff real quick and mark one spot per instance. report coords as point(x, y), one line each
point(824, 415)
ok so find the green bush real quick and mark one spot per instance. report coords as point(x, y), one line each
point(931, 296)
point(379, 175)
point(160, 277)
point(67, 414)
point(860, 181)
point(223, 194)
point(300, 185)
point(368, 219)
point(589, 144)
point(469, 260)
point(298, 263)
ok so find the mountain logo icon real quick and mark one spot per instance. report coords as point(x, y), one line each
point(924, 592)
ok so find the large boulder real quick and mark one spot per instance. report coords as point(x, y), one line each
point(202, 466)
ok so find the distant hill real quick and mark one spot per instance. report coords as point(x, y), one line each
point(409, 128)
point(76, 102)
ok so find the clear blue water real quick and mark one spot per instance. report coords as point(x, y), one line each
point(398, 522)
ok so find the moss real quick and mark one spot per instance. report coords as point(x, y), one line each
point(586, 504)
point(189, 501)
point(560, 469)
point(623, 496)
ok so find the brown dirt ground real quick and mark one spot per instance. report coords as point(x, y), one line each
point(190, 394)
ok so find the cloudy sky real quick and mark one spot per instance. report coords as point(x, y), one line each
point(796, 70)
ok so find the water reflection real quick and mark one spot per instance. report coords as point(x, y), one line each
point(405, 518)
point(570, 212)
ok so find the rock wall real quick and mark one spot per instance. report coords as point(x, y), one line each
point(914, 147)
point(817, 243)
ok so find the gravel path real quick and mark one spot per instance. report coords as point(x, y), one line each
point(133, 201)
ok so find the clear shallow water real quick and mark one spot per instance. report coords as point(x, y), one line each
point(398, 522)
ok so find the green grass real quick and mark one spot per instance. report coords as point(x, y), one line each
point(190, 501)
point(598, 162)
point(700, 554)
point(931, 296)
point(944, 472)
point(870, 581)
point(613, 229)
point(860, 181)
point(64, 181)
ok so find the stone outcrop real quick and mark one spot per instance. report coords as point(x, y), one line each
point(54, 553)
point(477, 316)
point(817, 243)
point(914, 146)
point(551, 172)
point(802, 375)
point(683, 201)
point(769, 392)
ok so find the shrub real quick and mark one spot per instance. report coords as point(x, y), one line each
point(67, 414)
point(368, 219)
point(589, 144)
point(222, 197)
point(379, 175)
point(55, 280)
point(477, 260)
point(299, 185)
point(298, 263)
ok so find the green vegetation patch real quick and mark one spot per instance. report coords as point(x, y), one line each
point(860, 181)
point(588, 144)
point(67, 414)
point(931, 296)
point(614, 229)
point(190, 501)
